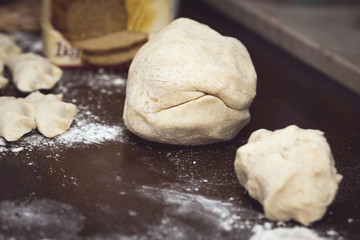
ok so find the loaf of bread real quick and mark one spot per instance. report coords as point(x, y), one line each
point(112, 49)
point(78, 19)
point(100, 32)
point(121, 39)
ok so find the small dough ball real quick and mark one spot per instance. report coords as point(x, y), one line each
point(290, 172)
point(53, 117)
point(189, 85)
point(32, 72)
point(17, 117)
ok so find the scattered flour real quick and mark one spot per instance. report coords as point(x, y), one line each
point(296, 233)
point(88, 129)
point(29, 42)
point(331, 232)
point(17, 149)
point(39, 219)
point(221, 216)
point(225, 216)
point(107, 83)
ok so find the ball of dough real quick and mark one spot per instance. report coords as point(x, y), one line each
point(189, 85)
point(290, 172)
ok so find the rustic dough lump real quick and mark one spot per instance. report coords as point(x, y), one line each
point(189, 85)
point(290, 172)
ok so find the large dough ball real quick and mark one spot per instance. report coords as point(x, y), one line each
point(189, 85)
point(290, 172)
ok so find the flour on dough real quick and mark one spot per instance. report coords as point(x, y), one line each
point(290, 172)
point(32, 72)
point(17, 117)
point(53, 117)
point(189, 85)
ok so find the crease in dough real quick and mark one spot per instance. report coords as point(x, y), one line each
point(32, 72)
point(17, 118)
point(290, 171)
point(181, 121)
point(201, 94)
point(53, 117)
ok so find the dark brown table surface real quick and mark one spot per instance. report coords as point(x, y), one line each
point(129, 188)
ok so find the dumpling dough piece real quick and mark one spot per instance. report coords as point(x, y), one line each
point(53, 117)
point(8, 48)
point(3, 82)
point(32, 72)
point(189, 85)
point(290, 172)
point(17, 117)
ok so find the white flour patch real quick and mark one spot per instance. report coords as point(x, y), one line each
point(220, 218)
point(39, 219)
point(107, 83)
point(29, 42)
point(17, 149)
point(219, 215)
point(296, 233)
point(90, 133)
point(331, 232)
point(89, 129)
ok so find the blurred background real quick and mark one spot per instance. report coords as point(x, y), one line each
point(323, 33)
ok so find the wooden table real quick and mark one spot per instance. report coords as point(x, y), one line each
point(134, 189)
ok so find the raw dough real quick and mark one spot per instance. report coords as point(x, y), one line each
point(189, 85)
point(290, 172)
point(53, 117)
point(8, 48)
point(32, 72)
point(17, 117)
point(3, 82)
